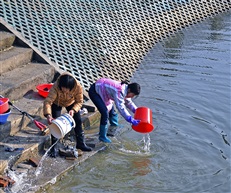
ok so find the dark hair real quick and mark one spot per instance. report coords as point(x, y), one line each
point(134, 88)
point(66, 81)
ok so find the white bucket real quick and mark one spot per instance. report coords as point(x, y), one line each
point(60, 126)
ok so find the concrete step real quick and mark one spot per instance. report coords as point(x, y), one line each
point(32, 103)
point(27, 145)
point(6, 40)
point(14, 57)
point(17, 82)
point(30, 139)
point(19, 76)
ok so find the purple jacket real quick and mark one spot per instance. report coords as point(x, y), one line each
point(112, 91)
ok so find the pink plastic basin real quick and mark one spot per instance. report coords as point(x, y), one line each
point(4, 106)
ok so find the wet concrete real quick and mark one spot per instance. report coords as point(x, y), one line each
point(21, 156)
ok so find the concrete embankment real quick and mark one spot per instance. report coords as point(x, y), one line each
point(22, 144)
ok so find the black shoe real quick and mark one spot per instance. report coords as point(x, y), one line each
point(80, 142)
point(69, 153)
point(83, 147)
point(53, 153)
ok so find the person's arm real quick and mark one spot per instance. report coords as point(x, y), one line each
point(47, 104)
point(120, 104)
point(130, 105)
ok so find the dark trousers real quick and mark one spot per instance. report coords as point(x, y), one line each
point(99, 103)
point(79, 134)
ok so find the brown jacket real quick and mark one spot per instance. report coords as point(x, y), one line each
point(57, 97)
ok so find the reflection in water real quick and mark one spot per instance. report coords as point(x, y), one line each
point(141, 166)
point(216, 24)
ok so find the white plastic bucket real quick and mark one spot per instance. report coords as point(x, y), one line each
point(60, 126)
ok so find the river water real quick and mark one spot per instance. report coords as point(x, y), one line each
point(185, 81)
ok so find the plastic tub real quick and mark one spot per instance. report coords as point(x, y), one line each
point(4, 116)
point(62, 125)
point(4, 105)
point(143, 114)
point(43, 89)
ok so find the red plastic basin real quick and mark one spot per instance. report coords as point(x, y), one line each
point(4, 106)
point(43, 89)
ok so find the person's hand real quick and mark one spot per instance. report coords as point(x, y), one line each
point(49, 119)
point(71, 112)
point(133, 121)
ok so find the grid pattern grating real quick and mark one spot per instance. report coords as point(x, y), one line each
point(102, 38)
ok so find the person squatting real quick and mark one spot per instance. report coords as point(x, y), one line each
point(66, 92)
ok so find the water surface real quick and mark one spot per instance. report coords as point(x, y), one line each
point(186, 83)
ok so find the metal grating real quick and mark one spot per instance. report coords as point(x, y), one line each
point(102, 38)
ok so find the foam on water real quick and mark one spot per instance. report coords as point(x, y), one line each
point(19, 184)
point(141, 147)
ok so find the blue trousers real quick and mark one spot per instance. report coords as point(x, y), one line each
point(99, 103)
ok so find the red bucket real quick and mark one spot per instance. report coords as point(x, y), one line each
point(143, 114)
